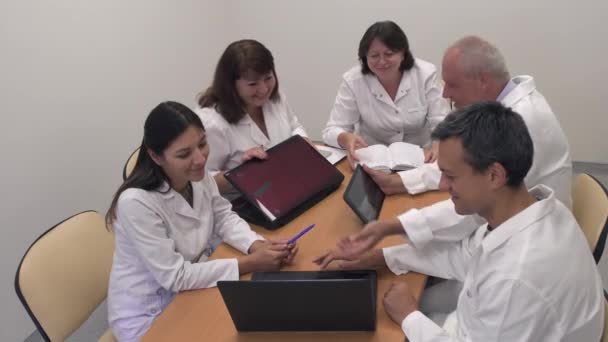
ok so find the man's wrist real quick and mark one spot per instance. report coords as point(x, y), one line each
point(377, 259)
point(391, 227)
point(397, 184)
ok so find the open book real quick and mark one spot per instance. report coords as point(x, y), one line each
point(398, 156)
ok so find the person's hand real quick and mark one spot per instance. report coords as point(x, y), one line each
point(372, 260)
point(310, 142)
point(266, 255)
point(353, 246)
point(292, 248)
point(351, 142)
point(399, 301)
point(254, 152)
point(390, 184)
point(326, 258)
point(431, 155)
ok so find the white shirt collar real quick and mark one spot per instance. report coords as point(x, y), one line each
point(506, 90)
point(544, 205)
point(380, 93)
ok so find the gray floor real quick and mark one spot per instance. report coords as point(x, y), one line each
point(97, 323)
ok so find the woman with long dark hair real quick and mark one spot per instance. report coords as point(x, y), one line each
point(164, 216)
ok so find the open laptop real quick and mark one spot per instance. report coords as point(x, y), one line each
point(364, 196)
point(293, 178)
point(303, 301)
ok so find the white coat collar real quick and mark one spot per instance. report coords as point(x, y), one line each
point(179, 204)
point(254, 131)
point(380, 93)
point(527, 217)
point(524, 86)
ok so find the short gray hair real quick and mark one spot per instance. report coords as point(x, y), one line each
point(478, 55)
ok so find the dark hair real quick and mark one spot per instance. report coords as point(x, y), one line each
point(391, 35)
point(165, 123)
point(239, 58)
point(491, 133)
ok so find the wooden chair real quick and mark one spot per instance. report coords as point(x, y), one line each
point(590, 208)
point(130, 164)
point(605, 332)
point(64, 275)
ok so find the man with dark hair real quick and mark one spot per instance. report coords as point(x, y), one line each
point(528, 272)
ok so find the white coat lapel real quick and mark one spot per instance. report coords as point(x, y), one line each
point(183, 208)
point(525, 85)
point(256, 134)
point(404, 86)
point(378, 90)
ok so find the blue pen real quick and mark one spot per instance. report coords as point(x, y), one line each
point(295, 238)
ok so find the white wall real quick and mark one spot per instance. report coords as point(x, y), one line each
point(559, 42)
point(78, 78)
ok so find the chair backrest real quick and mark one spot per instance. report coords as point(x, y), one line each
point(590, 208)
point(64, 274)
point(130, 164)
point(605, 332)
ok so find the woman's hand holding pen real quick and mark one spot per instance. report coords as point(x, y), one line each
point(292, 249)
point(267, 255)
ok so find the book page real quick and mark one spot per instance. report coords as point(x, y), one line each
point(332, 154)
point(406, 156)
point(377, 157)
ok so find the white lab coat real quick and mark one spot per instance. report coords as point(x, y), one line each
point(532, 278)
point(228, 142)
point(551, 166)
point(162, 245)
point(363, 106)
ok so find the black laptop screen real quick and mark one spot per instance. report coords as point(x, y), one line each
point(303, 301)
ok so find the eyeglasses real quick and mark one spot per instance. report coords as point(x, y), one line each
point(374, 56)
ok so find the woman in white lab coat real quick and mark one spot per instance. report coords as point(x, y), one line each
point(243, 110)
point(391, 96)
point(163, 217)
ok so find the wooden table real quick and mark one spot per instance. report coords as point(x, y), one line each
point(200, 315)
